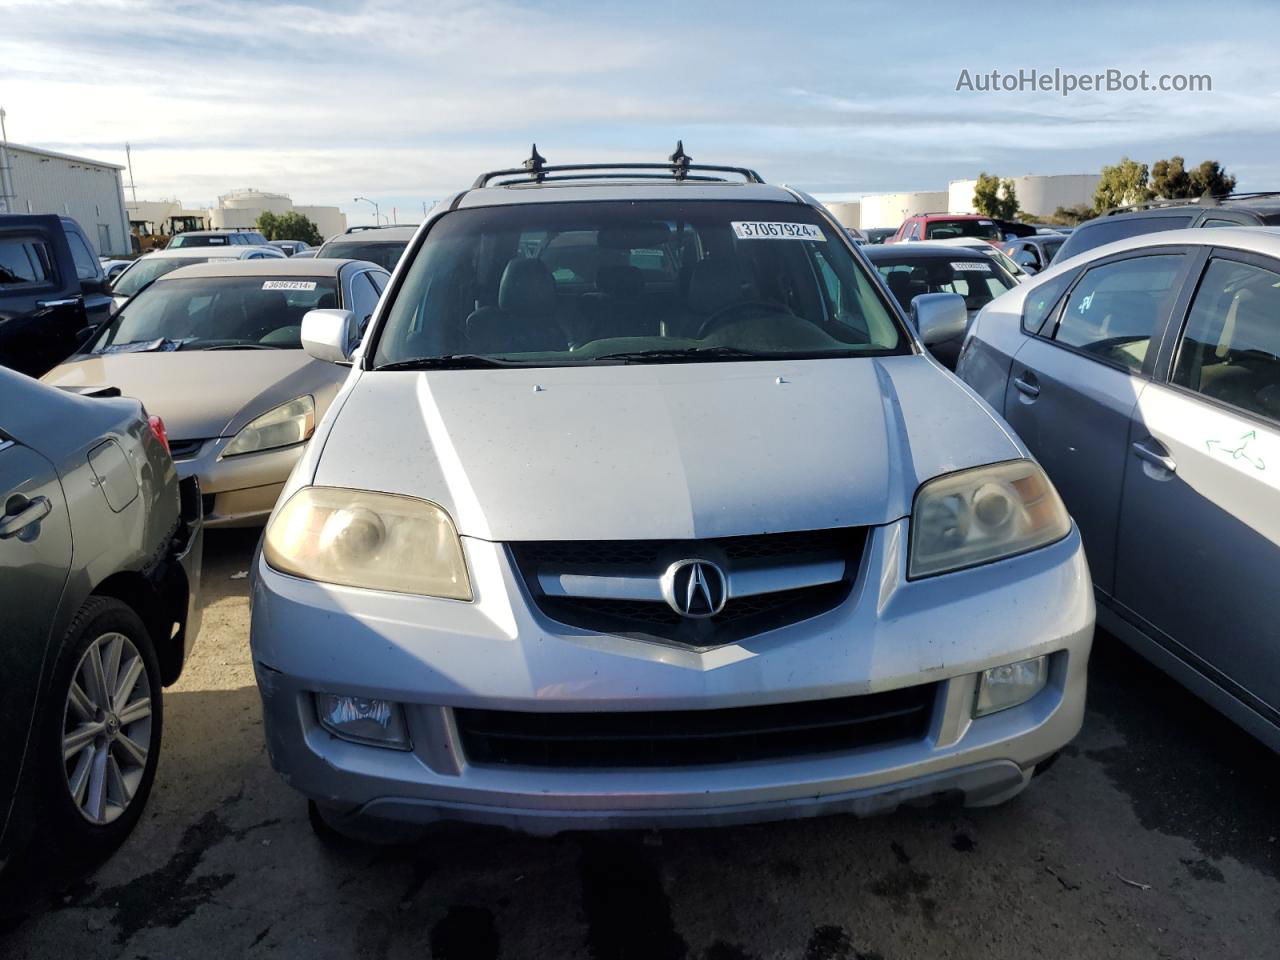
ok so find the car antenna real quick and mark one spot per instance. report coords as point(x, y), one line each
point(680, 161)
point(535, 163)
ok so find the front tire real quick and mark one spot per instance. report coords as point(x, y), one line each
point(100, 738)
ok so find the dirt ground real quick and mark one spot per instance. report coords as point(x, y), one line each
point(1155, 835)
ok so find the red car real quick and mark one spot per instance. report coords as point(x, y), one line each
point(941, 226)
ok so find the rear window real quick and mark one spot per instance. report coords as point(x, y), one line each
point(968, 273)
point(144, 271)
point(942, 229)
point(385, 253)
point(1100, 232)
point(24, 261)
point(187, 240)
point(206, 313)
point(653, 281)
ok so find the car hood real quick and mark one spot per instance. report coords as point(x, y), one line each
point(206, 393)
point(672, 451)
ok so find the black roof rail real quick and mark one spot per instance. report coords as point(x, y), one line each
point(537, 170)
point(1204, 200)
point(368, 226)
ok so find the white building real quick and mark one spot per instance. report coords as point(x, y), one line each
point(890, 209)
point(1038, 196)
point(91, 192)
point(847, 212)
point(241, 208)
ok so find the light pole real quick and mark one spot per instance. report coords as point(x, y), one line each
point(377, 217)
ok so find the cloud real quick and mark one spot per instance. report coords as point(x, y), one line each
point(405, 102)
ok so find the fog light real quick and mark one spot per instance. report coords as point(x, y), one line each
point(1003, 687)
point(361, 720)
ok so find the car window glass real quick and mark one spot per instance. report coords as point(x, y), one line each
point(1097, 233)
point(1041, 299)
point(384, 253)
point(1221, 223)
point(541, 283)
point(1230, 350)
point(1116, 308)
point(201, 312)
point(364, 297)
point(23, 261)
point(86, 262)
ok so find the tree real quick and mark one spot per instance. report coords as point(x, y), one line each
point(1071, 216)
point(1122, 185)
point(289, 226)
point(1210, 178)
point(995, 197)
point(1169, 179)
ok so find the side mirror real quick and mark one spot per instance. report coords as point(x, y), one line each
point(330, 334)
point(95, 285)
point(939, 317)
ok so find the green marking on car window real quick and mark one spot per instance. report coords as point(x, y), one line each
point(1240, 452)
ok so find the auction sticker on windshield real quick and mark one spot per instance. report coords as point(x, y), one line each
point(973, 265)
point(761, 230)
point(289, 285)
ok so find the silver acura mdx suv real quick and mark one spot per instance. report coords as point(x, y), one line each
point(643, 505)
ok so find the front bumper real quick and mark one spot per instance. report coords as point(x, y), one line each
point(499, 653)
point(239, 491)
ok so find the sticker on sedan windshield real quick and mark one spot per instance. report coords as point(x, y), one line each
point(974, 265)
point(289, 285)
point(760, 230)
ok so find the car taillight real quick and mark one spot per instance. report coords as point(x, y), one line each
point(157, 428)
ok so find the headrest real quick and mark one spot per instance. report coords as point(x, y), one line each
point(625, 283)
point(527, 287)
point(899, 285)
point(714, 283)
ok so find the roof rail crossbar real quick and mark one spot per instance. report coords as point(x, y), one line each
point(537, 170)
point(607, 176)
point(1204, 200)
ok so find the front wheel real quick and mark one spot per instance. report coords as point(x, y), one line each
point(101, 734)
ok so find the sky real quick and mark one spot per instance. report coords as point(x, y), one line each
point(406, 102)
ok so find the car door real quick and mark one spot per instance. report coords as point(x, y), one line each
point(40, 309)
point(1198, 550)
point(1073, 386)
point(35, 557)
point(93, 284)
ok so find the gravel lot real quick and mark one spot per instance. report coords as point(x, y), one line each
point(1154, 836)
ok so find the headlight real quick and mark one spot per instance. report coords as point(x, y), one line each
point(284, 426)
point(976, 516)
point(377, 541)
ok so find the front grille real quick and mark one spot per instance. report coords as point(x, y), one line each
point(741, 617)
point(695, 737)
point(184, 449)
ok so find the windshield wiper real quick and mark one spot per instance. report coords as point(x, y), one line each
point(696, 354)
point(452, 361)
point(240, 346)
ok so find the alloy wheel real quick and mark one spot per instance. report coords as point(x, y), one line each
point(106, 729)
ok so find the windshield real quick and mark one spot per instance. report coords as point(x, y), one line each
point(942, 229)
point(144, 271)
point(1050, 247)
point(385, 253)
point(205, 312)
point(197, 240)
point(579, 283)
point(974, 277)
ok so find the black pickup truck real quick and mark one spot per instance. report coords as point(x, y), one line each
point(51, 288)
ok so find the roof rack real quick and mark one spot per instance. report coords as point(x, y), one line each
point(1204, 200)
point(369, 226)
point(536, 170)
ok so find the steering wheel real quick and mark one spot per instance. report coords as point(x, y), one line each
point(726, 315)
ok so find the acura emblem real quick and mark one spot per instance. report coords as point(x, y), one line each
point(695, 588)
